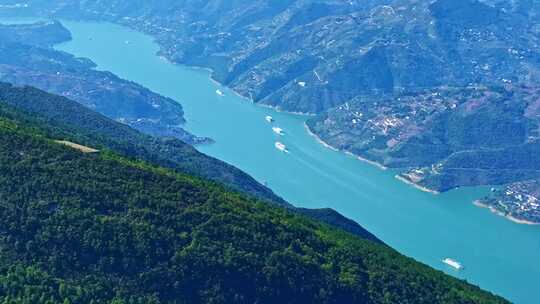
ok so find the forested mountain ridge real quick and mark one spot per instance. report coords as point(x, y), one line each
point(310, 56)
point(65, 119)
point(70, 119)
point(100, 228)
point(450, 137)
point(43, 34)
point(28, 59)
point(325, 56)
point(443, 130)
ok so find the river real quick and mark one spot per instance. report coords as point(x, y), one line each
point(499, 255)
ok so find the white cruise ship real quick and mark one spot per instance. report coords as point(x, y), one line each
point(278, 131)
point(453, 263)
point(281, 147)
point(269, 118)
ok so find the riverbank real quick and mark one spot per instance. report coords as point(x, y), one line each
point(235, 91)
point(322, 142)
point(318, 139)
point(417, 186)
point(406, 219)
point(163, 55)
point(478, 203)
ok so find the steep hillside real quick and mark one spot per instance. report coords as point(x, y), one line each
point(99, 228)
point(65, 119)
point(27, 59)
point(309, 56)
point(485, 131)
point(326, 56)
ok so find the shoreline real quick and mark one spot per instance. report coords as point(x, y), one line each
point(371, 162)
point(235, 91)
point(479, 204)
point(264, 105)
point(325, 144)
point(211, 73)
point(160, 53)
point(415, 185)
point(319, 140)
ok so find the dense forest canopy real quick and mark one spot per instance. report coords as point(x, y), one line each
point(65, 119)
point(102, 228)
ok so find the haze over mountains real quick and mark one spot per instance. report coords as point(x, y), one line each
point(29, 60)
point(417, 65)
point(340, 49)
point(104, 199)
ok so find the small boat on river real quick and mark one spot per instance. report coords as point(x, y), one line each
point(453, 263)
point(281, 147)
point(278, 131)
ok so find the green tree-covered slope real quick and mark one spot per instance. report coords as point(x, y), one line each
point(65, 119)
point(386, 78)
point(100, 228)
point(27, 58)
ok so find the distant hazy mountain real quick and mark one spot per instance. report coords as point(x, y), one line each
point(26, 58)
point(339, 49)
point(386, 59)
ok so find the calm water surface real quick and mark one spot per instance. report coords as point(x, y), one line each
point(499, 255)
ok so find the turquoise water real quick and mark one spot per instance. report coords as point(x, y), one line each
point(499, 255)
